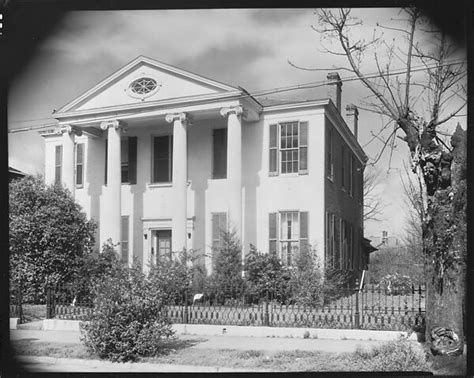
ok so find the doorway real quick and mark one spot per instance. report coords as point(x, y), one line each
point(161, 245)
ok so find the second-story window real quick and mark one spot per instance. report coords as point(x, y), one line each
point(162, 159)
point(219, 153)
point(288, 148)
point(58, 161)
point(79, 165)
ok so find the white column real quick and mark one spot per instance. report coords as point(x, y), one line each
point(234, 166)
point(68, 158)
point(112, 224)
point(180, 179)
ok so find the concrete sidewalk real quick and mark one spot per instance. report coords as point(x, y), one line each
point(218, 342)
point(50, 364)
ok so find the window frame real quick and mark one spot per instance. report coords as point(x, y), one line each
point(170, 159)
point(58, 164)
point(284, 239)
point(78, 163)
point(277, 150)
point(330, 155)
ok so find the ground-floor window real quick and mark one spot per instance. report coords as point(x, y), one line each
point(219, 226)
point(125, 237)
point(288, 233)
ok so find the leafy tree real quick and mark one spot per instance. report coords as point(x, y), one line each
point(49, 234)
point(225, 281)
point(130, 317)
point(440, 168)
point(264, 274)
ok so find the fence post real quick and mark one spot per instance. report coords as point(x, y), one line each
point(185, 320)
point(49, 302)
point(357, 314)
point(266, 318)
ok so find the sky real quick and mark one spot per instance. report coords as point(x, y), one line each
point(247, 48)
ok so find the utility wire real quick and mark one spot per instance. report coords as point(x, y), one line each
point(264, 92)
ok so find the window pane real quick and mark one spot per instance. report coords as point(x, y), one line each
point(80, 154)
point(161, 170)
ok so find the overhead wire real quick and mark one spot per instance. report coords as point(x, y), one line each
point(264, 92)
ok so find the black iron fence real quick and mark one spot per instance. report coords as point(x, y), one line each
point(371, 307)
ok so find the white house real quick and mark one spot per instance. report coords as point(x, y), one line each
point(163, 159)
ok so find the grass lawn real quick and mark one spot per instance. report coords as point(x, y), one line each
point(180, 352)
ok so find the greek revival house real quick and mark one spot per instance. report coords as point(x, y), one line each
point(163, 159)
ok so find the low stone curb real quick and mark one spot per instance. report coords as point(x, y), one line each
point(108, 366)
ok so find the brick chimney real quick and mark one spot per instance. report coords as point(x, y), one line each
point(335, 89)
point(352, 118)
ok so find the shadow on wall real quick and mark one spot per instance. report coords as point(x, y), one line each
point(252, 165)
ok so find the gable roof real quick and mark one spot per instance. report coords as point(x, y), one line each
point(135, 64)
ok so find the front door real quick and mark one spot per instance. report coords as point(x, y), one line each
point(162, 245)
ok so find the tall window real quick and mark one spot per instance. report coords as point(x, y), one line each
point(343, 167)
point(344, 245)
point(351, 175)
point(329, 155)
point(79, 165)
point(219, 153)
point(219, 226)
point(128, 160)
point(293, 234)
point(292, 145)
point(125, 237)
point(330, 252)
point(162, 159)
point(58, 161)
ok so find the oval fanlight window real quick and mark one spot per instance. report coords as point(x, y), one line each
point(143, 85)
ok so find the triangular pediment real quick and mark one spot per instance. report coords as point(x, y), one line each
point(126, 87)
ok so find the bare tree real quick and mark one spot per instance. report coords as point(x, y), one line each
point(372, 200)
point(428, 92)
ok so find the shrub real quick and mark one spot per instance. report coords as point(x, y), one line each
point(395, 355)
point(130, 318)
point(264, 274)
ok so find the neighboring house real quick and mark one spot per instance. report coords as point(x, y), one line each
point(14, 174)
point(164, 159)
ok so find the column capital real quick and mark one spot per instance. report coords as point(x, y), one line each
point(69, 129)
point(115, 123)
point(237, 110)
point(183, 117)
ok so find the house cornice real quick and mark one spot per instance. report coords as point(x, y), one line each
point(340, 123)
point(180, 101)
point(295, 106)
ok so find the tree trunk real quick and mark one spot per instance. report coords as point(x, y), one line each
point(444, 243)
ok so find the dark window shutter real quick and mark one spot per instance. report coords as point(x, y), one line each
point(304, 230)
point(303, 146)
point(132, 160)
point(219, 153)
point(273, 154)
point(58, 164)
point(272, 232)
point(105, 178)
